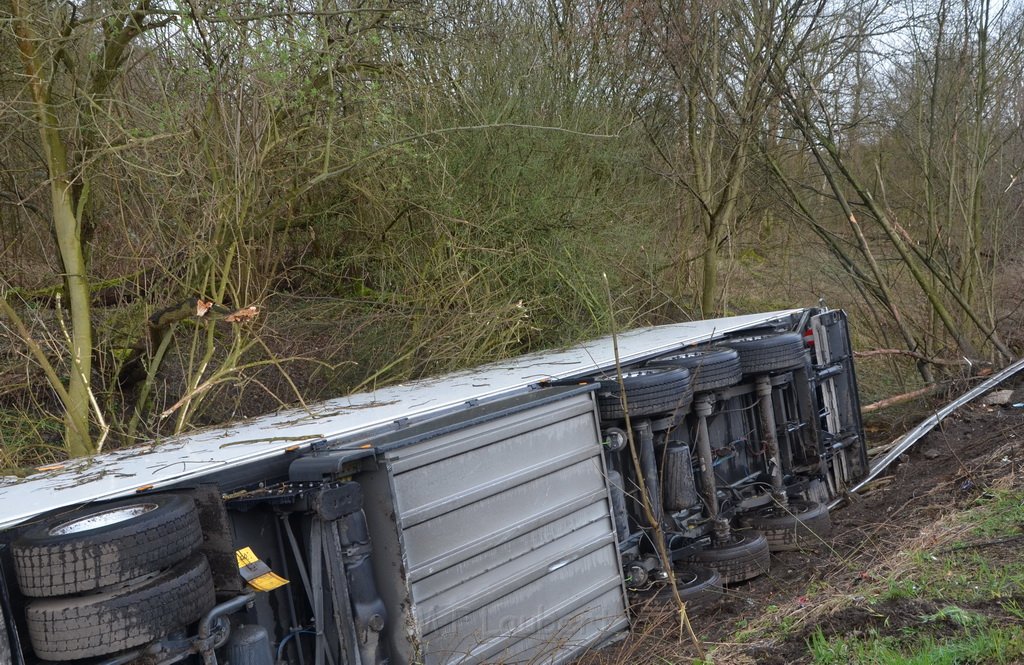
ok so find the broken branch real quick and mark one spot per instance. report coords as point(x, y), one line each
point(900, 399)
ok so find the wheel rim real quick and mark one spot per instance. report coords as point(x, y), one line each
point(793, 509)
point(733, 540)
point(102, 519)
point(639, 372)
point(751, 338)
point(685, 355)
point(684, 578)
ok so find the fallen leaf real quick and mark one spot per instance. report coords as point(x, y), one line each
point(203, 306)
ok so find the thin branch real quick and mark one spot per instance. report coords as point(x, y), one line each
point(913, 354)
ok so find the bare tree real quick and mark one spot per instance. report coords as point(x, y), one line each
point(711, 64)
point(846, 141)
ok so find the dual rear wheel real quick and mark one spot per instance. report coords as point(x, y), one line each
point(111, 577)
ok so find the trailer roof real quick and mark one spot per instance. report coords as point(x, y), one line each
point(191, 455)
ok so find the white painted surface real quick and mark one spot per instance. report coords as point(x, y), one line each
point(196, 453)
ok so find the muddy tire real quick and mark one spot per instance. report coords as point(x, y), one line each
point(743, 557)
point(697, 585)
point(760, 354)
point(105, 545)
point(801, 525)
point(649, 390)
point(710, 369)
point(63, 629)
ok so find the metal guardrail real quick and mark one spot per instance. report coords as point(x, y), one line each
point(928, 424)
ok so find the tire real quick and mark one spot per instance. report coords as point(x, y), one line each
point(698, 586)
point(106, 544)
point(744, 557)
point(649, 390)
point(769, 353)
point(63, 629)
point(710, 369)
point(801, 525)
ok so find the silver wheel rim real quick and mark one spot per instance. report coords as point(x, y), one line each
point(685, 355)
point(638, 372)
point(102, 519)
point(752, 338)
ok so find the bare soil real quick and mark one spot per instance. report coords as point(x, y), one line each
point(974, 449)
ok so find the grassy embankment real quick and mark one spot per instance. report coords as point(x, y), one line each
point(953, 594)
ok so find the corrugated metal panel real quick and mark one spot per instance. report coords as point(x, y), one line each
point(508, 545)
point(555, 616)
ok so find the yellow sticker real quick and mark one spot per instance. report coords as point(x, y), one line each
point(268, 582)
point(258, 574)
point(246, 557)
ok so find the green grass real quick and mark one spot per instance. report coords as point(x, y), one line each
point(999, 514)
point(978, 645)
point(958, 600)
point(956, 615)
point(975, 570)
point(898, 589)
point(974, 577)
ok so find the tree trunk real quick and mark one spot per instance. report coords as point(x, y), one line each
point(68, 233)
point(69, 243)
point(709, 287)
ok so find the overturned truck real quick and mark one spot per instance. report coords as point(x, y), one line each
point(504, 514)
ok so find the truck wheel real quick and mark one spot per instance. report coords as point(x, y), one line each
point(800, 525)
point(697, 585)
point(710, 369)
point(100, 624)
point(769, 353)
point(106, 544)
point(649, 390)
point(744, 556)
